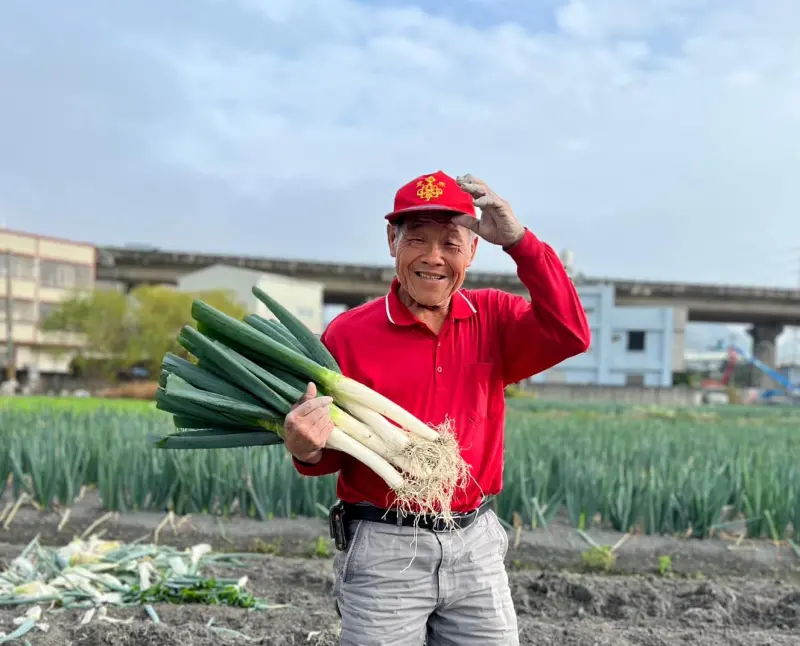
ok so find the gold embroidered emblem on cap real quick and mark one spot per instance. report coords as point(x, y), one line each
point(429, 188)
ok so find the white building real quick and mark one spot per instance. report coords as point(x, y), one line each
point(631, 346)
point(37, 273)
point(302, 298)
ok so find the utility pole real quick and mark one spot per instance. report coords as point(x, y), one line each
point(11, 368)
point(796, 331)
point(798, 270)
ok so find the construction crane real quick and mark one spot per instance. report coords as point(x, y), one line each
point(736, 354)
point(787, 388)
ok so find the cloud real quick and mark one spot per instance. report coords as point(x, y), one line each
point(654, 138)
point(675, 146)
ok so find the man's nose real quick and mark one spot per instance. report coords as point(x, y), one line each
point(434, 254)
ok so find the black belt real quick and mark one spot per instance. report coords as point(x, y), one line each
point(343, 512)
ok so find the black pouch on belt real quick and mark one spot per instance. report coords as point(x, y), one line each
point(338, 528)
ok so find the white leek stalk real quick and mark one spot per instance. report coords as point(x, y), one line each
point(341, 441)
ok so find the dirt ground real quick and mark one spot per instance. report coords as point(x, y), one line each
point(718, 592)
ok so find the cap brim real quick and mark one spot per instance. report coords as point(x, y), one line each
point(414, 210)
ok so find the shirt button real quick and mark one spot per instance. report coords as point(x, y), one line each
point(439, 369)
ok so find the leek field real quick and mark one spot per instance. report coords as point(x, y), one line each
point(617, 472)
point(652, 471)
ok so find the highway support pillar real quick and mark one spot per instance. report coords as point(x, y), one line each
point(765, 336)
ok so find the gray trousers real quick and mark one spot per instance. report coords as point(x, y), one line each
point(396, 586)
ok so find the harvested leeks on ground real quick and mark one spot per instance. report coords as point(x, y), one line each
point(250, 373)
point(94, 573)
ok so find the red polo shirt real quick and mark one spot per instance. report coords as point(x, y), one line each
point(490, 339)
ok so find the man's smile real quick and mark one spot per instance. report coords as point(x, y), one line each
point(424, 275)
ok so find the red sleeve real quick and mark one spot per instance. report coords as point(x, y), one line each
point(331, 460)
point(330, 463)
point(552, 327)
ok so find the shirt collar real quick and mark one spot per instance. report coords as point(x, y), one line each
point(396, 311)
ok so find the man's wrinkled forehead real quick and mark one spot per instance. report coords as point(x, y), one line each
point(444, 221)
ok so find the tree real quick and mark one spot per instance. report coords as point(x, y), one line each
point(122, 331)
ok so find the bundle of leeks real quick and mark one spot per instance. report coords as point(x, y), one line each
point(249, 374)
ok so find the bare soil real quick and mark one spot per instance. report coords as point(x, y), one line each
point(717, 591)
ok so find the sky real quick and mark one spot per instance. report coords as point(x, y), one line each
point(656, 139)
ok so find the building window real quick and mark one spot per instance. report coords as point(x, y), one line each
point(64, 275)
point(23, 267)
point(21, 311)
point(45, 309)
point(636, 381)
point(636, 341)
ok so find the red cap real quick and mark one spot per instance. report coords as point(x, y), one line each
point(432, 192)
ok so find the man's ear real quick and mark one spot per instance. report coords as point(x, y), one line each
point(391, 238)
point(473, 249)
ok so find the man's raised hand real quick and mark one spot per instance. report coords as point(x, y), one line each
point(497, 223)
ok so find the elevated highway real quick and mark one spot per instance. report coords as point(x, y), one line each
point(351, 284)
point(767, 309)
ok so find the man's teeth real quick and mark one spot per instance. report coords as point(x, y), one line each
point(425, 276)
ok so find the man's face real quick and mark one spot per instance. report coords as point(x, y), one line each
point(431, 258)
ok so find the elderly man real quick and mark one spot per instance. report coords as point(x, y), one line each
point(438, 351)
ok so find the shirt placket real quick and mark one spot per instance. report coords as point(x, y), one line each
point(440, 365)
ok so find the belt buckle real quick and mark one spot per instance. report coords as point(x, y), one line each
point(438, 525)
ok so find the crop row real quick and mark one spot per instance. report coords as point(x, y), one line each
point(621, 468)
